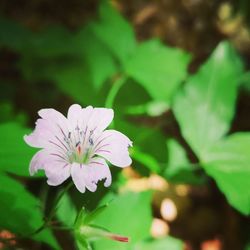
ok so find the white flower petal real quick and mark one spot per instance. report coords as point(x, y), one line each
point(53, 124)
point(100, 170)
point(57, 172)
point(113, 146)
point(41, 135)
point(100, 118)
point(56, 121)
point(53, 116)
point(74, 116)
point(78, 176)
point(87, 176)
point(38, 161)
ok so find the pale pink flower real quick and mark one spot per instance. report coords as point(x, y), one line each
point(77, 146)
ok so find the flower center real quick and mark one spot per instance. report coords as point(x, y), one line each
point(79, 145)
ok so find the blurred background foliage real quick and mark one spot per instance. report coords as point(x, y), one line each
point(176, 74)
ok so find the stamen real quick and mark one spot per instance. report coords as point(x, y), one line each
point(91, 141)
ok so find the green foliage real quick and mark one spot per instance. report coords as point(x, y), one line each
point(165, 243)
point(115, 32)
point(14, 161)
point(205, 107)
point(102, 64)
point(179, 168)
point(158, 68)
point(129, 212)
point(66, 211)
point(20, 212)
point(228, 162)
point(8, 114)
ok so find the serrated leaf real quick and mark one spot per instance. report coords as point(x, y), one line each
point(159, 69)
point(228, 162)
point(206, 106)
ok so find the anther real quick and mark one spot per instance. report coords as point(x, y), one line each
point(91, 141)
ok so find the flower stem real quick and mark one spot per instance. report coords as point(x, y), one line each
point(56, 202)
point(118, 83)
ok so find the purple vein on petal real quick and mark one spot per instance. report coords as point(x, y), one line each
point(106, 151)
point(62, 143)
point(56, 144)
point(101, 141)
point(105, 145)
point(59, 156)
point(96, 162)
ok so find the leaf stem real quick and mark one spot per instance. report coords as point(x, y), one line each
point(117, 84)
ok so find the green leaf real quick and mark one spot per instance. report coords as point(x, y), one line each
point(8, 114)
point(82, 243)
point(159, 69)
point(206, 106)
point(147, 140)
point(125, 216)
point(92, 215)
point(114, 31)
point(153, 108)
point(15, 154)
point(66, 211)
point(20, 212)
point(179, 168)
point(160, 244)
point(228, 162)
point(13, 35)
point(100, 61)
point(145, 159)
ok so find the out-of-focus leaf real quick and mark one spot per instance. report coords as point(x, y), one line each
point(247, 247)
point(245, 80)
point(147, 140)
point(20, 212)
point(66, 211)
point(146, 160)
point(13, 35)
point(79, 72)
point(126, 98)
point(159, 69)
point(15, 154)
point(72, 77)
point(8, 114)
point(100, 61)
point(160, 244)
point(92, 215)
point(205, 107)
point(228, 162)
point(153, 108)
point(83, 244)
point(179, 168)
point(115, 32)
point(125, 216)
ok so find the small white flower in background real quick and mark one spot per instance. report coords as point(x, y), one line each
point(77, 146)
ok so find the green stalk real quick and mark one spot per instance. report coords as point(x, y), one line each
point(118, 83)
